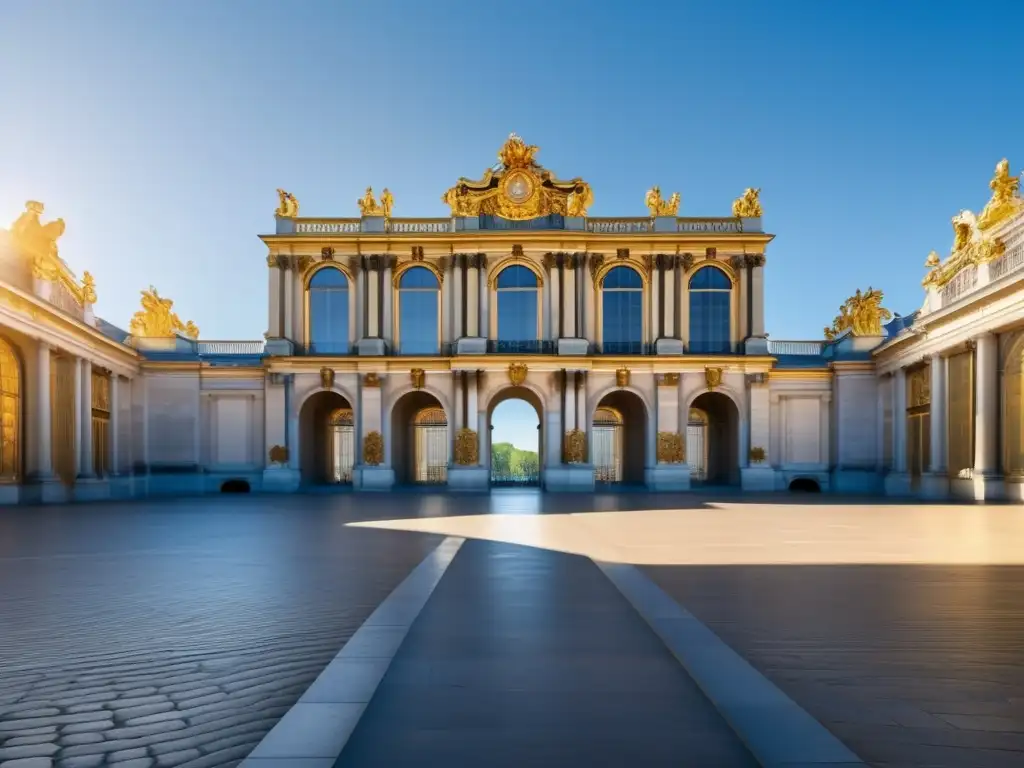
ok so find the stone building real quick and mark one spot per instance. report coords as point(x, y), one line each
point(638, 341)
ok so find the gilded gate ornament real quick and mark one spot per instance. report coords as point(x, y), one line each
point(1005, 200)
point(467, 452)
point(418, 376)
point(520, 189)
point(862, 314)
point(517, 373)
point(288, 206)
point(327, 378)
point(712, 377)
point(575, 447)
point(156, 320)
point(373, 449)
point(748, 205)
point(670, 448)
point(659, 206)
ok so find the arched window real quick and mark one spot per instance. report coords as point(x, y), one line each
point(622, 312)
point(710, 311)
point(10, 414)
point(419, 306)
point(518, 302)
point(328, 312)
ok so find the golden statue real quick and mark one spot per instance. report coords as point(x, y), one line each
point(622, 377)
point(575, 447)
point(368, 205)
point(373, 449)
point(38, 241)
point(517, 374)
point(748, 205)
point(1005, 199)
point(419, 378)
point(519, 189)
point(670, 448)
point(862, 314)
point(970, 247)
point(466, 448)
point(288, 207)
point(712, 377)
point(327, 378)
point(156, 319)
point(933, 260)
point(660, 207)
point(387, 201)
point(88, 288)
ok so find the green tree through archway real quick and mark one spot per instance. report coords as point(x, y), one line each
point(515, 458)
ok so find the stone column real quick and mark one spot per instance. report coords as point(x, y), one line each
point(446, 300)
point(760, 421)
point(569, 409)
point(457, 395)
point(76, 364)
point(581, 404)
point(899, 421)
point(757, 295)
point(485, 300)
point(569, 296)
point(274, 297)
point(938, 415)
point(825, 435)
point(739, 265)
point(668, 311)
point(458, 266)
point(554, 295)
point(44, 455)
point(387, 297)
point(289, 298)
point(667, 406)
point(372, 420)
point(471, 395)
point(880, 422)
point(86, 466)
point(590, 297)
point(372, 297)
point(986, 403)
point(360, 273)
point(473, 296)
point(113, 445)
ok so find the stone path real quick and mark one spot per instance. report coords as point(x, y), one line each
point(529, 657)
point(176, 634)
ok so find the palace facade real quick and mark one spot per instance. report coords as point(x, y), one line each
point(638, 341)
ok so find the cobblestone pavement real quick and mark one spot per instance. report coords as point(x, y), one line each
point(177, 633)
point(908, 665)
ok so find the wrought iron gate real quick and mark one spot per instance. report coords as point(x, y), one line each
point(607, 435)
point(341, 452)
point(697, 445)
point(430, 447)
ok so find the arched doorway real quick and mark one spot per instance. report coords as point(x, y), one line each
point(420, 442)
point(516, 438)
point(712, 440)
point(327, 450)
point(10, 413)
point(619, 443)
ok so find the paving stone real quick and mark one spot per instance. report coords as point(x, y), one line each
point(141, 701)
point(37, 731)
point(139, 762)
point(73, 739)
point(188, 694)
point(19, 741)
point(129, 732)
point(133, 713)
point(29, 750)
point(127, 754)
point(76, 708)
point(89, 727)
point(28, 762)
point(177, 758)
point(223, 757)
point(157, 717)
point(85, 761)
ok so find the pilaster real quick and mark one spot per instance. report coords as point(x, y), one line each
point(85, 464)
point(473, 296)
point(986, 418)
point(938, 415)
point(289, 299)
point(77, 363)
point(44, 423)
point(568, 274)
point(757, 295)
point(274, 307)
point(114, 444)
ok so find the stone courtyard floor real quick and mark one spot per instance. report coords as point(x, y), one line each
point(179, 632)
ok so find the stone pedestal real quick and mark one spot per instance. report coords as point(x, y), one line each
point(857, 481)
point(280, 479)
point(757, 477)
point(471, 345)
point(981, 487)
point(668, 347)
point(578, 478)
point(935, 485)
point(573, 346)
point(1014, 490)
point(756, 345)
point(668, 477)
point(370, 347)
point(279, 348)
point(897, 484)
point(476, 479)
point(91, 489)
point(373, 478)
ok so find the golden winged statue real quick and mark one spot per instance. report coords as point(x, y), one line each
point(579, 200)
point(659, 206)
point(157, 320)
point(38, 241)
point(862, 314)
point(288, 206)
point(1005, 199)
point(748, 205)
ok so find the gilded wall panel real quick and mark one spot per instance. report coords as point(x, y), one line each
point(960, 419)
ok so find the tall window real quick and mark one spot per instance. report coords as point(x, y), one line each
point(622, 312)
point(710, 310)
point(328, 312)
point(418, 318)
point(517, 309)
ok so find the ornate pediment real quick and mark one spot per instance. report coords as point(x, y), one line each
point(519, 189)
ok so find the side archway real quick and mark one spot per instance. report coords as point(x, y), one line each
point(326, 439)
point(501, 470)
point(619, 438)
point(420, 439)
point(712, 439)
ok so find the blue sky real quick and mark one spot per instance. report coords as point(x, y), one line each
point(159, 131)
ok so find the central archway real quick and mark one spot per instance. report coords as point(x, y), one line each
point(712, 440)
point(619, 430)
point(327, 439)
point(420, 440)
point(515, 439)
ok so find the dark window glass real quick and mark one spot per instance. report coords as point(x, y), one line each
point(622, 311)
point(328, 312)
point(710, 316)
point(517, 304)
point(417, 312)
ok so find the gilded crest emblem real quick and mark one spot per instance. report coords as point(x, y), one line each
point(517, 373)
point(278, 455)
point(371, 380)
point(418, 376)
point(622, 377)
point(713, 377)
point(327, 378)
